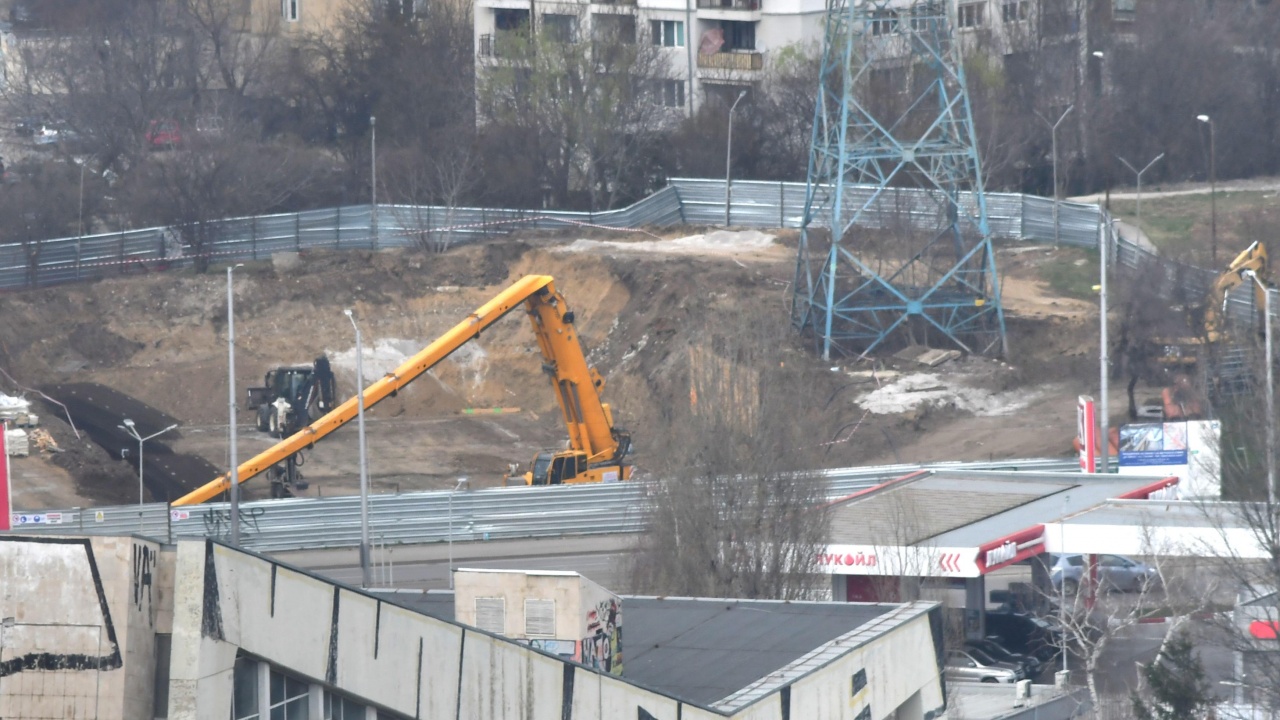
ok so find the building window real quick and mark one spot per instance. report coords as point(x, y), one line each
point(670, 93)
point(560, 28)
point(1124, 10)
point(288, 697)
point(859, 681)
point(884, 22)
point(926, 14)
point(540, 618)
point(738, 35)
point(1013, 11)
point(970, 15)
point(610, 28)
point(244, 690)
point(667, 33)
point(865, 714)
point(337, 707)
point(289, 9)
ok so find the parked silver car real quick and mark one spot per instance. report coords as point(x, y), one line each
point(973, 665)
point(1115, 572)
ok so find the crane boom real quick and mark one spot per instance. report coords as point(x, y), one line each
point(577, 385)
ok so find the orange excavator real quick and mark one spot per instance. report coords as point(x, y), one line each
point(596, 450)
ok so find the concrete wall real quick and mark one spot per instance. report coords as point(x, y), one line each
point(80, 618)
point(421, 667)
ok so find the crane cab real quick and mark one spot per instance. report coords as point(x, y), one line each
point(566, 468)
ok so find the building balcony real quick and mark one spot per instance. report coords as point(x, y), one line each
point(728, 4)
point(615, 3)
point(740, 60)
point(498, 45)
point(741, 10)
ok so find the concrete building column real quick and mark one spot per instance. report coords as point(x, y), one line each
point(201, 668)
point(975, 606)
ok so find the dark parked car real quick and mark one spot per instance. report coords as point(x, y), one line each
point(1026, 634)
point(1030, 665)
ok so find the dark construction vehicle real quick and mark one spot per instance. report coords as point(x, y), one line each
point(290, 398)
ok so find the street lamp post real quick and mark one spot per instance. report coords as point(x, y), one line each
point(1139, 173)
point(231, 408)
point(1213, 189)
point(130, 428)
point(728, 158)
point(1103, 358)
point(373, 179)
point(1271, 388)
point(84, 162)
point(1053, 131)
point(364, 467)
point(461, 481)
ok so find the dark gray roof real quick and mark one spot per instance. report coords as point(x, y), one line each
point(703, 650)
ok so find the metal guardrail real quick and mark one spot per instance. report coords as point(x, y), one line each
point(424, 517)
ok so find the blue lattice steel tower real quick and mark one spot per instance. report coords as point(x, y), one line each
point(905, 255)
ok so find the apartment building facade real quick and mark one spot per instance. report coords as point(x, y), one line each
point(712, 49)
point(717, 48)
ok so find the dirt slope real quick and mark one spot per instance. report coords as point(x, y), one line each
point(161, 338)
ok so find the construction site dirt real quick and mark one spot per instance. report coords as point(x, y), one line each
point(154, 348)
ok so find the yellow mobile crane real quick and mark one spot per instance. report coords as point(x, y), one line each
point(597, 449)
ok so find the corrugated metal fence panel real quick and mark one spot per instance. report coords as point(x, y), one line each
point(683, 201)
point(277, 525)
point(1078, 224)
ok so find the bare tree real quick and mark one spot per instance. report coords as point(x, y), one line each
point(194, 187)
point(733, 513)
point(579, 105)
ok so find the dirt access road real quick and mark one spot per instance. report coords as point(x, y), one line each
point(642, 305)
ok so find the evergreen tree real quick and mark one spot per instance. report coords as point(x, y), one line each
point(1177, 686)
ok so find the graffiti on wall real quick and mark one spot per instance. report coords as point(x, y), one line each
point(601, 648)
point(144, 565)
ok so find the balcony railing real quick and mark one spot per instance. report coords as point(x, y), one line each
point(733, 60)
point(498, 45)
point(729, 4)
point(627, 3)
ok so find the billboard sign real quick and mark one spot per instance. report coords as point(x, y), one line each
point(1146, 444)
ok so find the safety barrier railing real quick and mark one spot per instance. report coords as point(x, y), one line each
point(424, 517)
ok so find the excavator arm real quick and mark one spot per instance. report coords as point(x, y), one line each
point(1253, 258)
point(578, 386)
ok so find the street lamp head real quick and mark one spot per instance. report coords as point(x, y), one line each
point(347, 312)
point(742, 94)
point(1204, 118)
point(1099, 54)
point(128, 422)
